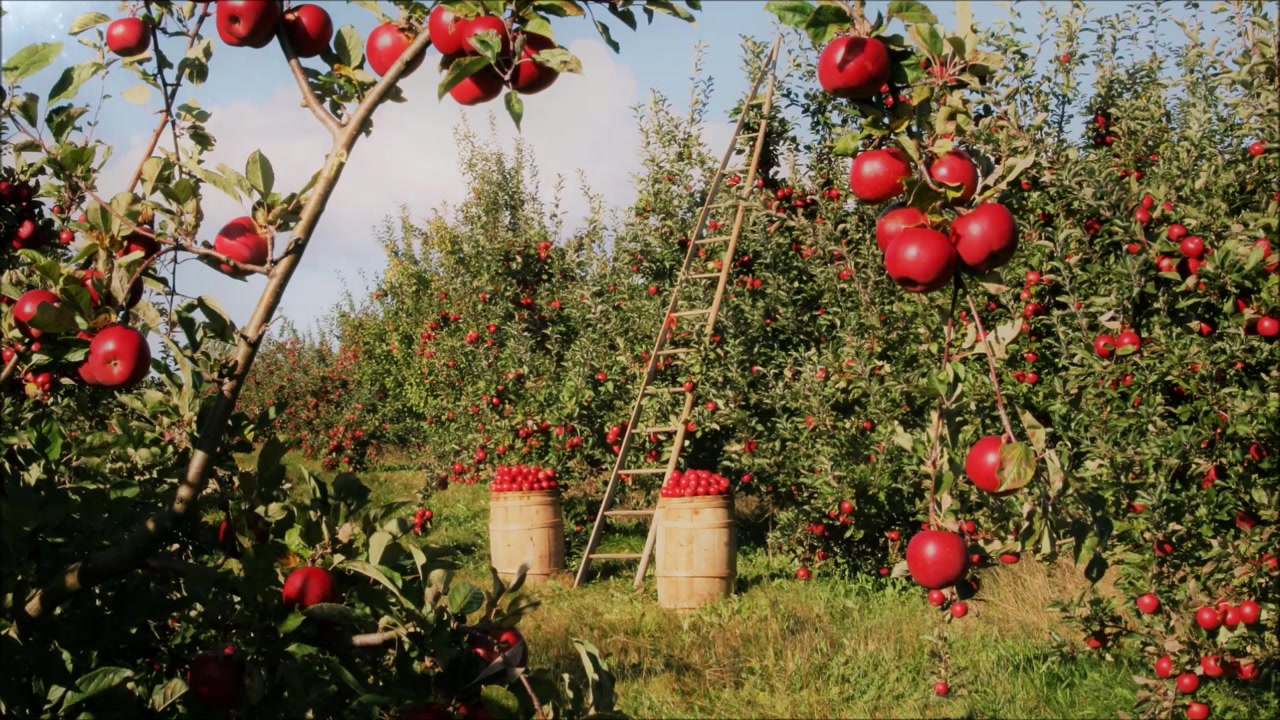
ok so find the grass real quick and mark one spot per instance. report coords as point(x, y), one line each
point(782, 648)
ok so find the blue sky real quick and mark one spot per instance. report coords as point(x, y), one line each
point(582, 123)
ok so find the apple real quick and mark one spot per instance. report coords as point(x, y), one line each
point(983, 462)
point(309, 586)
point(936, 558)
point(935, 598)
point(1247, 671)
point(26, 307)
point(1148, 603)
point(803, 573)
point(1249, 612)
point(139, 242)
point(242, 241)
point(893, 221)
point(1128, 338)
point(1096, 640)
point(385, 45)
point(986, 237)
point(1197, 711)
point(309, 29)
point(247, 23)
point(1268, 326)
point(1162, 547)
point(1176, 232)
point(508, 638)
point(478, 88)
point(846, 507)
point(921, 260)
point(1212, 666)
point(445, 29)
point(1009, 558)
point(940, 688)
point(1231, 617)
point(1164, 667)
point(1257, 148)
point(119, 358)
point(530, 77)
point(127, 37)
point(876, 175)
point(1104, 345)
point(1192, 246)
point(217, 679)
point(955, 168)
point(853, 67)
point(478, 25)
point(959, 610)
point(1143, 216)
point(1208, 618)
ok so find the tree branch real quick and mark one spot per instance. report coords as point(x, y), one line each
point(991, 368)
point(309, 98)
point(142, 542)
point(9, 367)
point(377, 639)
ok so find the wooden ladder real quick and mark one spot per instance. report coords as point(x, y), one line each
point(675, 311)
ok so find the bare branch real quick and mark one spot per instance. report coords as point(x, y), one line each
point(309, 98)
point(991, 368)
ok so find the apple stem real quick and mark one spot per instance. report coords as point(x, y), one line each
point(991, 369)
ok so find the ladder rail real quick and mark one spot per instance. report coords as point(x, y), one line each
point(669, 319)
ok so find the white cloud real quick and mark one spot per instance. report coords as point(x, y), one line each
point(583, 122)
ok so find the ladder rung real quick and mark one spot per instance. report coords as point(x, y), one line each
point(706, 240)
point(704, 276)
point(753, 133)
point(730, 203)
point(661, 429)
point(657, 391)
point(628, 513)
point(615, 556)
point(675, 351)
point(644, 471)
point(690, 313)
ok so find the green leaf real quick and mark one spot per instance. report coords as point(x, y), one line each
point(348, 46)
point(460, 70)
point(54, 319)
point(488, 43)
point(72, 78)
point(911, 11)
point(30, 60)
point(95, 682)
point(825, 21)
point(1017, 466)
point(86, 21)
point(291, 622)
point(607, 37)
point(559, 59)
point(669, 8)
point(847, 145)
point(793, 13)
point(515, 107)
point(626, 15)
point(331, 613)
point(165, 695)
point(257, 170)
point(369, 570)
point(214, 179)
point(372, 6)
point(501, 702)
point(27, 106)
point(465, 598)
point(138, 94)
point(377, 544)
point(61, 120)
point(926, 38)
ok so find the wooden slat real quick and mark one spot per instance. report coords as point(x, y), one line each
point(629, 513)
point(614, 556)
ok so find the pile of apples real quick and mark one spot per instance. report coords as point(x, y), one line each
point(694, 483)
point(523, 478)
point(917, 255)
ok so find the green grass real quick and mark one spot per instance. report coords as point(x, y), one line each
point(824, 648)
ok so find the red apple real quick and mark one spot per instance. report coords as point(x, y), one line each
point(247, 23)
point(119, 357)
point(309, 29)
point(876, 175)
point(1257, 148)
point(1249, 612)
point(986, 237)
point(1208, 618)
point(309, 586)
point(1197, 711)
point(91, 278)
point(138, 242)
point(1188, 683)
point(242, 241)
point(959, 610)
point(1212, 666)
point(1164, 667)
point(921, 260)
point(895, 220)
point(217, 679)
point(936, 558)
point(508, 638)
point(127, 37)
point(935, 598)
point(1104, 345)
point(853, 67)
point(1268, 326)
point(385, 45)
point(478, 25)
point(1192, 247)
point(27, 306)
point(1177, 231)
point(446, 30)
point(955, 168)
point(481, 87)
point(940, 688)
point(803, 573)
point(983, 461)
point(1128, 338)
point(1148, 603)
point(529, 77)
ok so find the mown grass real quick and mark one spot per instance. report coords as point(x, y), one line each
point(781, 648)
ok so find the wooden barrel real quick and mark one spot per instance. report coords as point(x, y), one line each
point(696, 551)
point(526, 528)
